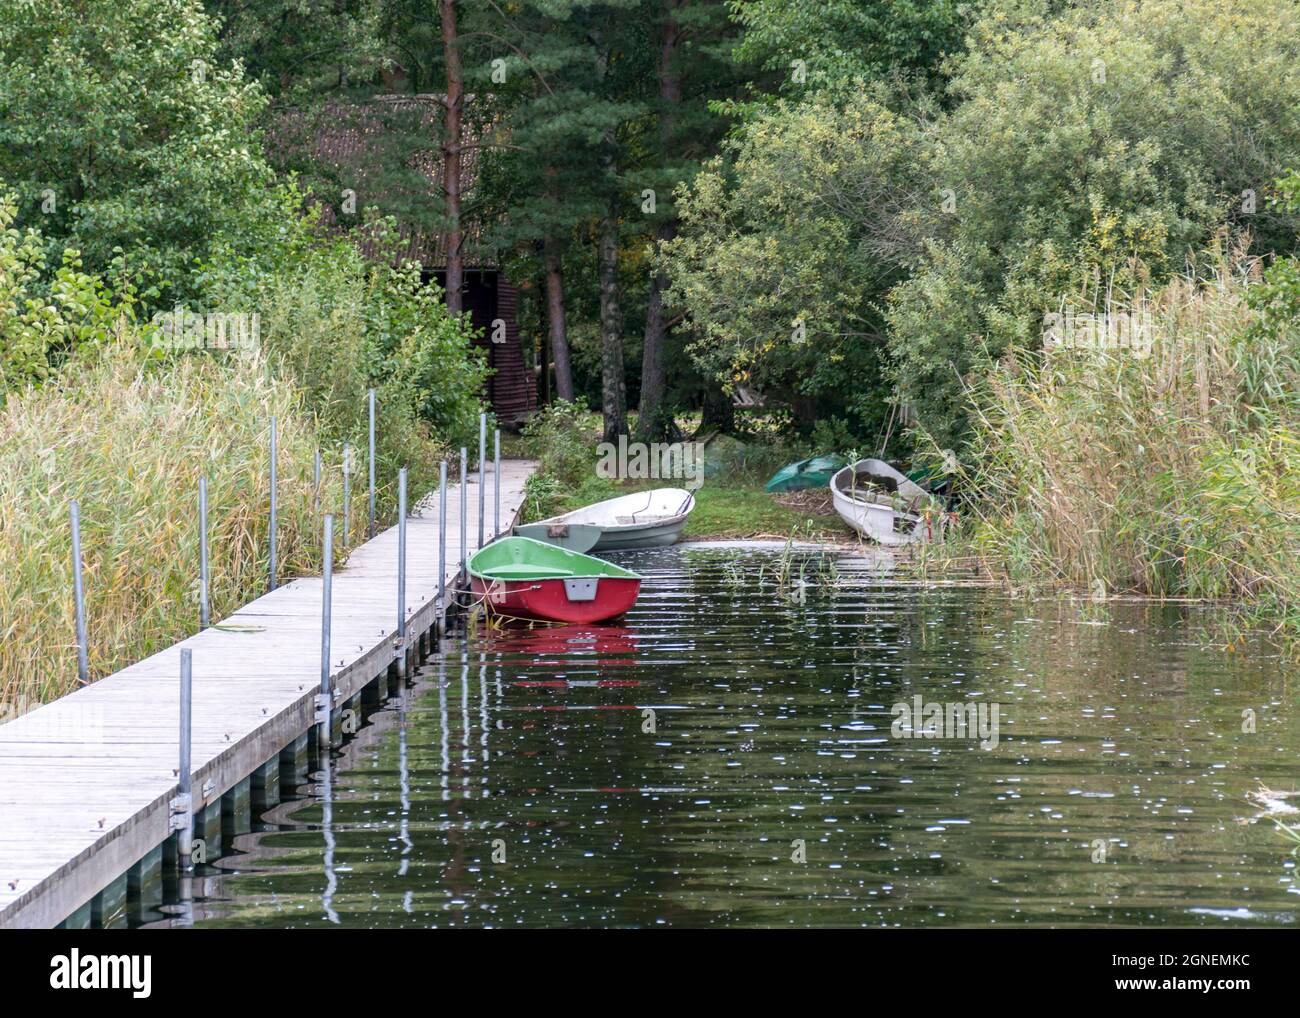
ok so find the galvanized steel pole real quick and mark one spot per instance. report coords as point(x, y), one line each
point(185, 822)
point(327, 594)
point(482, 490)
point(371, 531)
point(204, 616)
point(79, 596)
point(464, 498)
point(401, 559)
point(347, 489)
point(442, 536)
point(272, 568)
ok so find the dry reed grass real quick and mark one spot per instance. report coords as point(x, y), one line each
point(1173, 475)
point(129, 439)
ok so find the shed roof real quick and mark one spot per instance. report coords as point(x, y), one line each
point(354, 139)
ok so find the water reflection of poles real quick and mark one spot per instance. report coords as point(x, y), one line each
point(184, 916)
point(456, 874)
point(404, 777)
point(464, 711)
point(327, 827)
point(483, 706)
point(444, 726)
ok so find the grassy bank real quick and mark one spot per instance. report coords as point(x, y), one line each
point(730, 503)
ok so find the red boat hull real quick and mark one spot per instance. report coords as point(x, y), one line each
point(548, 601)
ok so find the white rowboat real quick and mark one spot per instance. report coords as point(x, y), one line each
point(881, 504)
point(645, 519)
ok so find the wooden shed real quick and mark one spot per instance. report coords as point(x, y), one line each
point(350, 140)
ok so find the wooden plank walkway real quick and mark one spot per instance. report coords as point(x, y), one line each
point(86, 782)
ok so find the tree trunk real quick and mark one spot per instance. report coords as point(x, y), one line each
point(451, 153)
point(555, 317)
point(538, 292)
point(613, 386)
point(717, 414)
point(653, 421)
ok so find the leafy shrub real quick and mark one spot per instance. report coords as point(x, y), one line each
point(562, 437)
point(425, 355)
point(43, 317)
point(786, 249)
point(336, 325)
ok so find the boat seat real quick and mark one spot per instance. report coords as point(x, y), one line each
point(527, 569)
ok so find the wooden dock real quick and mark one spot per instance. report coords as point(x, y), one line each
point(87, 782)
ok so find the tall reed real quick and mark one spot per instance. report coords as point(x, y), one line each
point(129, 438)
point(1175, 474)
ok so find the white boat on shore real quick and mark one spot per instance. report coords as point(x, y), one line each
point(882, 504)
point(644, 519)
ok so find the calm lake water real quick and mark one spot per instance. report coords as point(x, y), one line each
point(771, 791)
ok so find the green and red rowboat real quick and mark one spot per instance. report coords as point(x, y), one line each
point(518, 577)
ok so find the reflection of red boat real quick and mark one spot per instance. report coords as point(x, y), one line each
point(561, 646)
point(521, 578)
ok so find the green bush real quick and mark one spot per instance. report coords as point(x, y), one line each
point(562, 437)
point(46, 317)
point(786, 249)
point(1089, 150)
point(337, 324)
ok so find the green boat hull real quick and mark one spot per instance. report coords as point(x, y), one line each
point(811, 473)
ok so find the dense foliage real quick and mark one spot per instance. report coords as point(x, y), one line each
point(1095, 147)
point(837, 42)
point(1090, 150)
point(787, 248)
point(45, 316)
point(123, 134)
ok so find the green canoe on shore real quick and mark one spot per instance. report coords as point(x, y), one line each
point(811, 473)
